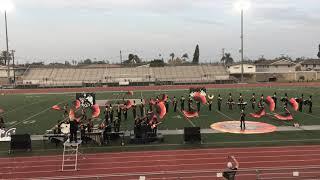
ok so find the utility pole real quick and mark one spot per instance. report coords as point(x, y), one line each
point(241, 45)
point(14, 72)
point(7, 44)
point(120, 57)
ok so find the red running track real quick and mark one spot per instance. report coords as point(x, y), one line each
point(272, 162)
point(166, 87)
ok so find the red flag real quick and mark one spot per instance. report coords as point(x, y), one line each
point(190, 114)
point(95, 111)
point(161, 109)
point(289, 117)
point(128, 104)
point(258, 114)
point(294, 104)
point(200, 97)
point(271, 103)
point(71, 114)
point(56, 107)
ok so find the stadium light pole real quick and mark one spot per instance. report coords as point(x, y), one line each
point(7, 6)
point(242, 6)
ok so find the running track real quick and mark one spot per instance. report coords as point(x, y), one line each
point(166, 87)
point(197, 164)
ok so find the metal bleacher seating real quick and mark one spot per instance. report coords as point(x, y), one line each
point(65, 76)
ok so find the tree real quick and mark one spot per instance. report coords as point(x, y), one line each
point(319, 52)
point(132, 59)
point(157, 63)
point(185, 56)
point(196, 55)
point(227, 59)
point(4, 57)
point(87, 61)
point(172, 56)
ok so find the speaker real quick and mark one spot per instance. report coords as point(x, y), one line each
point(20, 141)
point(192, 134)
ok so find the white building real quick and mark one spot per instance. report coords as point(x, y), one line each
point(310, 65)
point(236, 68)
point(275, 66)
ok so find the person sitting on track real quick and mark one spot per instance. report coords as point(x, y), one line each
point(232, 167)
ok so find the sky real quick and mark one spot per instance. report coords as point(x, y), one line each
point(59, 30)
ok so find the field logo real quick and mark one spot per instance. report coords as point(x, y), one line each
point(5, 135)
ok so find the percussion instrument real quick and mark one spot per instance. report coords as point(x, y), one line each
point(65, 128)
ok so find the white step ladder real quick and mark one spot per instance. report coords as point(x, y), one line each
point(70, 156)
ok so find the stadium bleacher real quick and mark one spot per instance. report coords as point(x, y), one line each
point(77, 76)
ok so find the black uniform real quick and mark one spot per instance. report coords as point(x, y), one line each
point(261, 102)
point(175, 104)
point(241, 101)
point(230, 102)
point(182, 103)
point(219, 102)
point(275, 99)
point(189, 103)
point(301, 103)
point(73, 130)
point(242, 120)
point(134, 111)
point(310, 104)
point(253, 102)
point(125, 114)
point(150, 105)
point(142, 108)
point(167, 102)
point(210, 102)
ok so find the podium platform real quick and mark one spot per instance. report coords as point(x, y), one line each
point(70, 155)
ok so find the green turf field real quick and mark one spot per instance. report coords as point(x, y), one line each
point(32, 113)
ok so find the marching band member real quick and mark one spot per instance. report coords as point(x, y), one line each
point(141, 108)
point(253, 101)
point(174, 104)
point(230, 101)
point(275, 99)
point(219, 102)
point(182, 99)
point(134, 110)
point(210, 97)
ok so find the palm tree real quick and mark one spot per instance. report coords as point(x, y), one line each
point(227, 59)
point(172, 56)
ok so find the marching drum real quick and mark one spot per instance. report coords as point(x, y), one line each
point(65, 128)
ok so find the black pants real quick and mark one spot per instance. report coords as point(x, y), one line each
point(182, 107)
point(73, 131)
point(242, 124)
point(175, 108)
point(134, 114)
point(310, 109)
point(219, 106)
point(253, 105)
point(210, 106)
